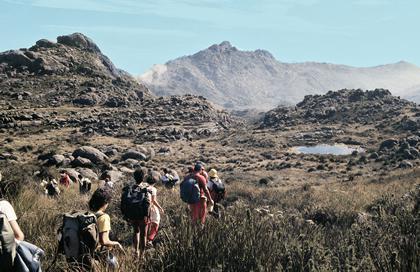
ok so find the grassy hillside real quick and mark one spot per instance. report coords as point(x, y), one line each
point(359, 226)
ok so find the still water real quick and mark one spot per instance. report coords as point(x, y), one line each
point(336, 149)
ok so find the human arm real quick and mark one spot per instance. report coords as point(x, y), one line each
point(156, 203)
point(104, 227)
point(7, 209)
point(16, 230)
point(105, 241)
point(203, 185)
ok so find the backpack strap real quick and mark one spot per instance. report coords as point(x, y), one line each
point(99, 215)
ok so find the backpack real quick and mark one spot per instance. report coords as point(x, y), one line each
point(51, 190)
point(190, 190)
point(135, 202)
point(28, 257)
point(219, 189)
point(79, 236)
point(7, 244)
point(85, 185)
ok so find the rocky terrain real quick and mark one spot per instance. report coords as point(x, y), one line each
point(348, 107)
point(58, 99)
point(71, 71)
point(71, 84)
point(55, 116)
point(239, 80)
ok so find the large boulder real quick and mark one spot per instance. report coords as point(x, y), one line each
point(79, 40)
point(56, 159)
point(15, 58)
point(44, 43)
point(388, 144)
point(114, 174)
point(88, 173)
point(86, 100)
point(92, 154)
point(81, 162)
point(132, 154)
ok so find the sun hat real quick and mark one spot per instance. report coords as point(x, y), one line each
point(213, 173)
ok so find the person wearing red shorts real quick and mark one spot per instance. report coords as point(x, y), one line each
point(199, 209)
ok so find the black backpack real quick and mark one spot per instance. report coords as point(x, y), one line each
point(135, 202)
point(52, 191)
point(219, 189)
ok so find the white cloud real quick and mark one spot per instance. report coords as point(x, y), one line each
point(124, 30)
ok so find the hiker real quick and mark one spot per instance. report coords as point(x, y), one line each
point(194, 192)
point(217, 191)
point(108, 183)
point(155, 210)
point(9, 231)
point(84, 184)
point(51, 189)
point(65, 179)
point(204, 172)
point(135, 206)
point(98, 204)
point(170, 178)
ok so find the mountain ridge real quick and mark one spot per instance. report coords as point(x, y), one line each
point(238, 80)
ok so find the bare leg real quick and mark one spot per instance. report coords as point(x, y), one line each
point(143, 237)
point(136, 238)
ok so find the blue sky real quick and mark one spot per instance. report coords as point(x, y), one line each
point(136, 34)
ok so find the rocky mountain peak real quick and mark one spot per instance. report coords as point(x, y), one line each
point(80, 41)
point(224, 46)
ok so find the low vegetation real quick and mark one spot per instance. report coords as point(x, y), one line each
point(343, 227)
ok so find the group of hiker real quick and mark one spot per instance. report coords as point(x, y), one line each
point(52, 188)
point(85, 236)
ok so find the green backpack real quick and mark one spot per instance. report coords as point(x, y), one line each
point(7, 244)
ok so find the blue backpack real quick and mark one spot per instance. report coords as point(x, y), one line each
point(190, 190)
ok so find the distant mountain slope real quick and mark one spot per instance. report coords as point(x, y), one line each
point(255, 79)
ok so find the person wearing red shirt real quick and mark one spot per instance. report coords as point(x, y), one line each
point(65, 179)
point(199, 209)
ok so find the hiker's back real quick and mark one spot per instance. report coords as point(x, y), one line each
point(190, 189)
point(217, 189)
point(135, 202)
point(52, 190)
point(85, 185)
point(79, 237)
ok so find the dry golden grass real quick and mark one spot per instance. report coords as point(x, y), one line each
point(311, 228)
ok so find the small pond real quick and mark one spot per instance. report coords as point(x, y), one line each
point(336, 149)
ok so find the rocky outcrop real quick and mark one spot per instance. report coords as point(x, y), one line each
point(344, 106)
point(91, 153)
point(79, 75)
point(76, 40)
point(73, 70)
